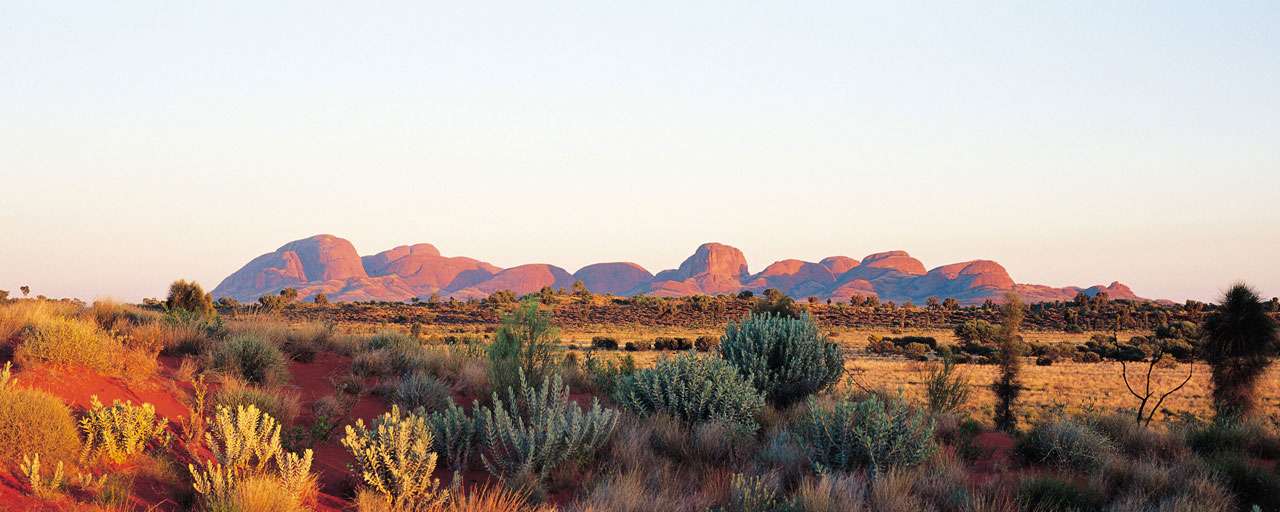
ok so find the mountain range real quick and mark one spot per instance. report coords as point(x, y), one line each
point(330, 265)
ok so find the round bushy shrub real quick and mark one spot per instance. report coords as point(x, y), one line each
point(1065, 444)
point(34, 422)
point(251, 358)
point(786, 358)
point(421, 390)
point(876, 434)
point(692, 389)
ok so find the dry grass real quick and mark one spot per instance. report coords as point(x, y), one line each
point(1074, 387)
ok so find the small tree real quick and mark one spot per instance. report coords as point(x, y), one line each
point(1008, 385)
point(321, 299)
point(289, 294)
point(1147, 393)
point(189, 296)
point(775, 302)
point(524, 342)
point(947, 390)
point(1240, 340)
point(4, 295)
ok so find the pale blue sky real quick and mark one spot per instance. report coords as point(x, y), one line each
point(1076, 143)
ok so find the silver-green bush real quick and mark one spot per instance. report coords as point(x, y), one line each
point(530, 434)
point(875, 434)
point(784, 357)
point(692, 389)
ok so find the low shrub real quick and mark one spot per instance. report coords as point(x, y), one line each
point(419, 390)
point(34, 422)
point(604, 343)
point(394, 459)
point(692, 389)
point(251, 358)
point(1253, 484)
point(68, 341)
point(373, 363)
point(676, 344)
point(706, 343)
point(1050, 493)
point(120, 431)
point(1227, 436)
point(871, 433)
point(1066, 444)
point(639, 346)
point(785, 358)
point(280, 404)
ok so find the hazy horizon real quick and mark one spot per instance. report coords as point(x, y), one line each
point(1074, 144)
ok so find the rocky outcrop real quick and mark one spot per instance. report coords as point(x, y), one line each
point(425, 271)
point(330, 265)
point(617, 278)
point(793, 277)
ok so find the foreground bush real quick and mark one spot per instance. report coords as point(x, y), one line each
point(1065, 444)
point(251, 468)
point(395, 460)
point(540, 429)
point(453, 433)
point(784, 357)
point(694, 390)
point(120, 431)
point(872, 433)
point(34, 422)
point(68, 341)
point(251, 358)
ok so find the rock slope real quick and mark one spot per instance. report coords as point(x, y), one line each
point(330, 265)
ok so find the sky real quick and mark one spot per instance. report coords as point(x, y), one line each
point(1076, 143)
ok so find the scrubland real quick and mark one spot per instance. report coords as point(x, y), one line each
point(119, 407)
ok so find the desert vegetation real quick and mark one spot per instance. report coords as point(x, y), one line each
point(188, 404)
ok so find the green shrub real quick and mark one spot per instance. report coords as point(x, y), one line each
point(786, 358)
point(872, 433)
point(251, 358)
point(947, 391)
point(34, 422)
point(692, 389)
point(453, 433)
point(532, 433)
point(394, 459)
point(605, 375)
point(419, 390)
point(524, 342)
point(68, 341)
point(1065, 444)
point(120, 431)
point(279, 404)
